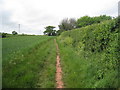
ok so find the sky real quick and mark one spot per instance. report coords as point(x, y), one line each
point(34, 15)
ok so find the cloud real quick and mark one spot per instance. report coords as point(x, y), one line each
point(34, 15)
point(6, 23)
point(112, 10)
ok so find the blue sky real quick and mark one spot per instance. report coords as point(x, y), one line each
point(34, 15)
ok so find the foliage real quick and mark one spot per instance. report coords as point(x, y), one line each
point(86, 20)
point(49, 31)
point(91, 61)
point(14, 33)
point(101, 18)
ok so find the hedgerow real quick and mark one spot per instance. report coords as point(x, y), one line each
point(97, 47)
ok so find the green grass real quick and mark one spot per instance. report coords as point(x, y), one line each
point(31, 62)
point(89, 56)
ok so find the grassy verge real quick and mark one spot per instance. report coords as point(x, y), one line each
point(31, 67)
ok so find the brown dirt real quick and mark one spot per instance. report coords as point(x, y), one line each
point(58, 78)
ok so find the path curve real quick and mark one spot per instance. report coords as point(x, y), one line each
point(58, 78)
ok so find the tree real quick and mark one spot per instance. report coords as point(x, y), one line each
point(67, 24)
point(14, 33)
point(50, 31)
point(4, 35)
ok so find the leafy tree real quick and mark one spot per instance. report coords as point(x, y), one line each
point(67, 24)
point(14, 33)
point(4, 35)
point(50, 31)
point(84, 21)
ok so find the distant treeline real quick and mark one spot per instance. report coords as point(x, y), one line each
point(69, 24)
point(14, 33)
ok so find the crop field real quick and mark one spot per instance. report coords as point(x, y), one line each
point(16, 43)
point(28, 62)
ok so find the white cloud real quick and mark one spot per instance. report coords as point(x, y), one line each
point(34, 15)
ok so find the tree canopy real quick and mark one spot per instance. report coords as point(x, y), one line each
point(14, 32)
point(50, 31)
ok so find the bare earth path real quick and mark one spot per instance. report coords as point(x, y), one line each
point(58, 78)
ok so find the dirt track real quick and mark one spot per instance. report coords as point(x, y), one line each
point(58, 78)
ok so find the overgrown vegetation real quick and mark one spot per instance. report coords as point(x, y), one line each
point(28, 62)
point(90, 55)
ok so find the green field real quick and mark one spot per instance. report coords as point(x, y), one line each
point(28, 62)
